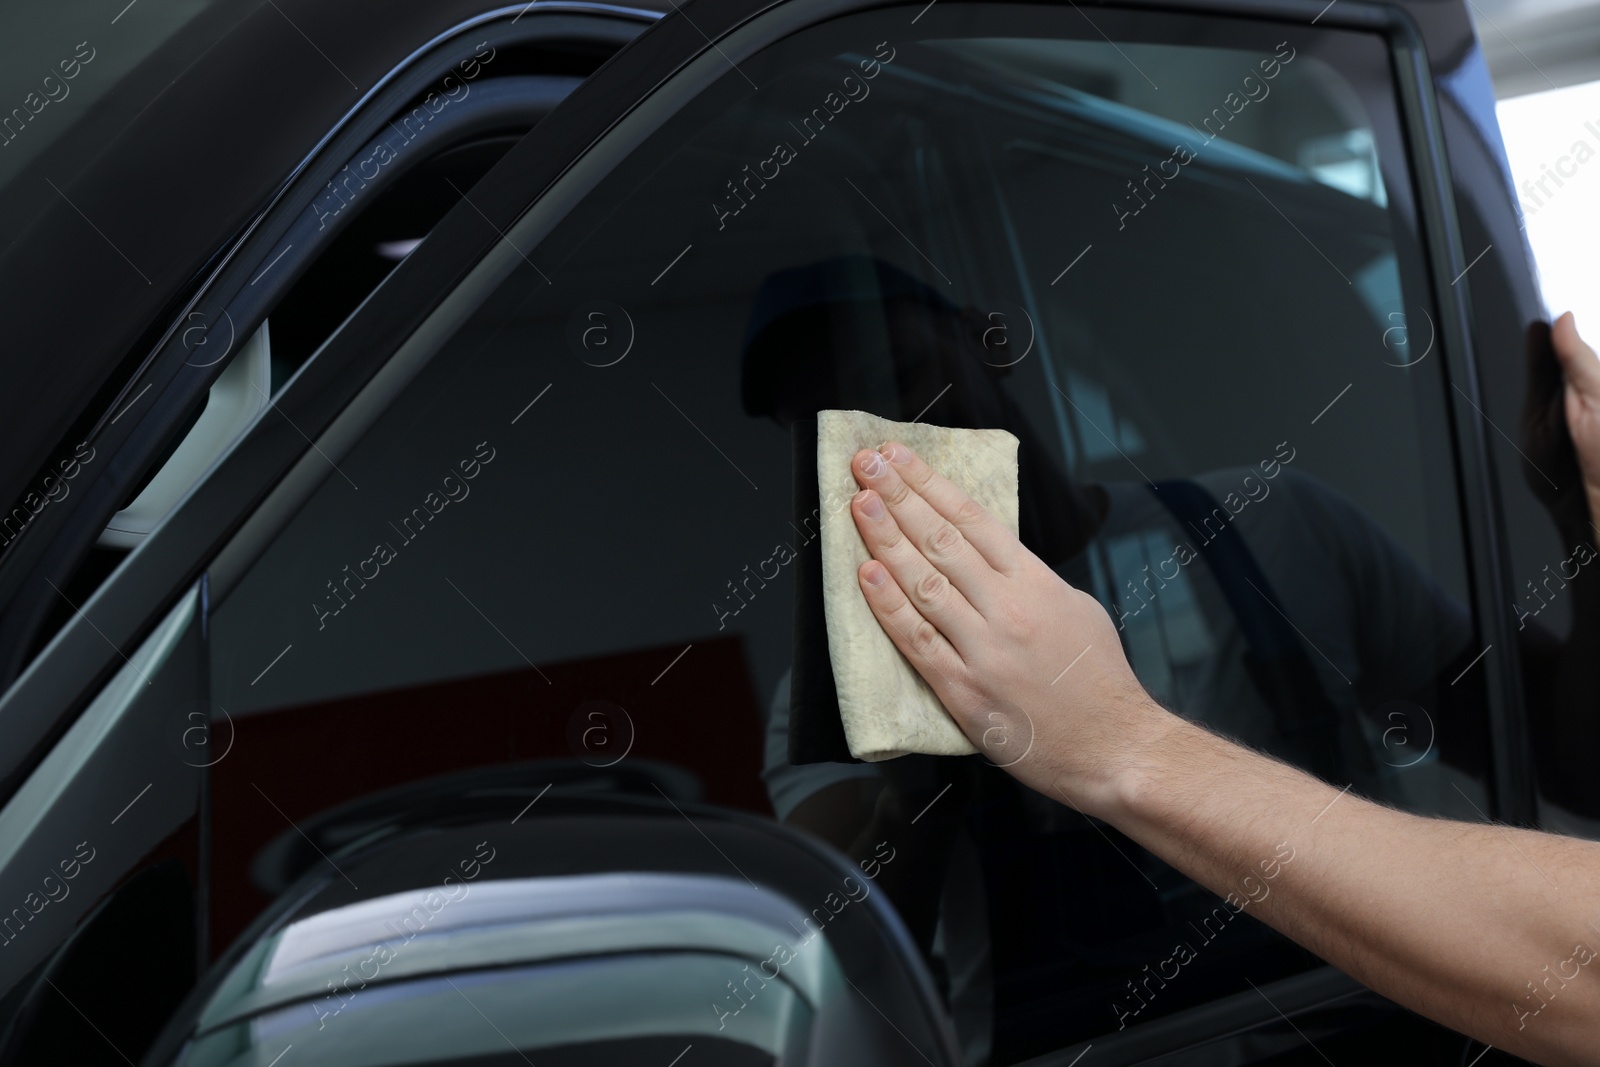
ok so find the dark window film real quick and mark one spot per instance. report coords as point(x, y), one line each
point(1181, 268)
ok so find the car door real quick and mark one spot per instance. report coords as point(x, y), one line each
point(1198, 311)
point(130, 892)
point(1214, 315)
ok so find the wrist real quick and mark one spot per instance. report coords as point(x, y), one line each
point(1113, 779)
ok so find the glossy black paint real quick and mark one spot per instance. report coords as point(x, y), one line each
point(37, 564)
point(182, 157)
point(130, 427)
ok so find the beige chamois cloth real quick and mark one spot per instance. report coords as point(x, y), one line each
point(888, 710)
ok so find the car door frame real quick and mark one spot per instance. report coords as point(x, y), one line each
point(77, 713)
point(348, 383)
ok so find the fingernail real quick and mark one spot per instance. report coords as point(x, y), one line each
point(895, 452)
point(872, 465)
point(875, 574)
point(871, 504)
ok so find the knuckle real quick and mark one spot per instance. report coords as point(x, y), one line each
point(924, 638)
point(894, 491)
point(945, 541)
point(918, 474)
point(931, 587)
point(969, 513)
point(891, 538)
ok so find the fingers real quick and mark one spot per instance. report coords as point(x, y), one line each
point(928, 587)
point(1578, 361)
point(998, 545)
point(936, 539)
point(917, 639)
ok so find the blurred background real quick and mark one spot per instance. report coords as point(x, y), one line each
point(1544, 58)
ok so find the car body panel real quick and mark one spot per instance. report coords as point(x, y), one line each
point(157, 175)
point(34, 566)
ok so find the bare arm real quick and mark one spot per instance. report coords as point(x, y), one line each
point(1453, 920)
point(1490, 930)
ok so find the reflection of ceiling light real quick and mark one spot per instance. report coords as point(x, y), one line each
point(398, 250)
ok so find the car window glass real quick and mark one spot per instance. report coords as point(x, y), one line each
point(1179, 264)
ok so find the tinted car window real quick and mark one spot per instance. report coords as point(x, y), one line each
point(1178, 262)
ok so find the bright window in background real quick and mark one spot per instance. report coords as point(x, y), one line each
point(1553, 141)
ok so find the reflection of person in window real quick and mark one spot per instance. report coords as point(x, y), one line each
point(1485, 929)
point(1221, 641)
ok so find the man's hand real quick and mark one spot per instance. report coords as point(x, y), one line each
point(1581, 369)
point(1030, 668)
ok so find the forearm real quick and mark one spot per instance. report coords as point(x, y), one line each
point(1452, 920)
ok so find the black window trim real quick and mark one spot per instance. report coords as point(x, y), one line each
point(1511, 786)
